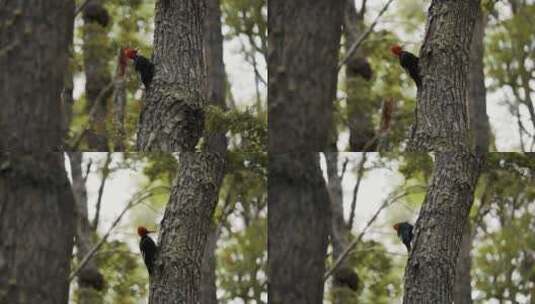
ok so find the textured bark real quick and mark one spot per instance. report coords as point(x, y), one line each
point(477, 92)
point(339, 229)
point(97, 76)
point(430, 271)
point(304, 39)
point(172, 117)
point(360, 107)
point(462, 291)
point(215, 70)
point(37, 228)
point(90, 280)
point(33, 58)
point(184, 229)
point(442, 110)
point(208, 292)
point(298, 228)
point(119, 104)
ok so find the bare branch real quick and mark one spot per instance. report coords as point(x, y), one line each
point(105, 174)
point(344, 168)
point(136, 200)
point(80, 8)
point(363, 37)
point(360, 173)
point(355, 242)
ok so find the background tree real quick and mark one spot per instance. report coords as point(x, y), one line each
point(38, 227)
point(302, 72)
point(298, 228)
point(31, 113)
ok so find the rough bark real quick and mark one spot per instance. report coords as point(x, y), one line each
point(184, 229)
point(462, 291)
point(208, 291)
point(304, 39)
point(442, 111)
point(298, 228)
point(477, 91)
point(33, 58)
point(430, 271)
point(172, 118)
point(215, 70)
point(90, 280)
point(360, 107)
point(37, 228)
point(97, 74)
point(339, 230)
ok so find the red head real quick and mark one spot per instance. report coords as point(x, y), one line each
point(130, 53)
point(396, 227)
point(142, 231)
point(396, 49)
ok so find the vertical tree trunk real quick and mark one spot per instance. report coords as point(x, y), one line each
point(442, 117)
point(303, 44)
point(215, 70)
point(477, 92)
point(33, 58)
point(184, 229)
point(90, 280)
point(430, 271)
point(358, 86)
point(172, 117)
point(298, 228)
point(208, 289)
point(462, 291)
point(37, 228)
point(97, 74)
point(339, 230)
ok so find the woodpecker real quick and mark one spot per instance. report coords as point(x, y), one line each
point(409, 62)
point(404, 231)
point(147, 246)
point(143, 66)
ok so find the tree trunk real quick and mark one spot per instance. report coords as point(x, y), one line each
point(302, 60)
point(339, 231)
point(37, 228)
point(442, 122)
point(298, 228)
point(477, 92)
point(430, 271)
point(215, 70)
point(208, 292)
point(184, 229)
point(97, 74)
point(172, 118)
point(358, 85)
point(90, 280)
point(462, 292)
point(33, 58)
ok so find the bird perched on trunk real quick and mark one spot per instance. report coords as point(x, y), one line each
point(404, 231)
point(147, 246)
point(143, 66)
point(409, 62)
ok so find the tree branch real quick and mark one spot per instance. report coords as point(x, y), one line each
point(360, 173)
point(105, 174)
point(363, 37)
point(355, 242)
point(136, 200)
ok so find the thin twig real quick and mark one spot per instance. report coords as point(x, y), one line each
point(360, 173)
point(363, 37)
point(355, 242)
